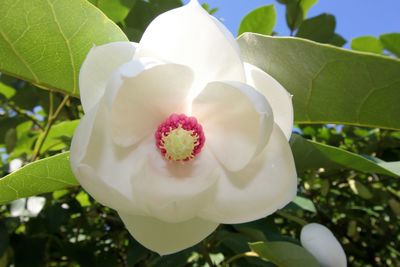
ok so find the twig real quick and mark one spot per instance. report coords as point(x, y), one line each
point(21, 112)
point(291, 217)
point(206, 255)
point(50, 121)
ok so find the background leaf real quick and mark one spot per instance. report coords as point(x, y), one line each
point(59, 136)
point(6, 91)
point(391, 42)
point(367, 44)
point(143, 12)
point(116, 10)
point(328, 84)
point(261, 20)
point(294, 15)
point(306, 5)
point(284, 254)
point(62, 33)
point(320, 28)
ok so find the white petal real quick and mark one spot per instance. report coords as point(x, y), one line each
point(167, 238)
point(174, 191)
point(82, 136)
point(190, 36)
point(323, 245)
point(99, 65)
point(237, 122)
point(277, 96)
point(103, 169)
point(146, 98)
point(99, 188)
point(268, 183)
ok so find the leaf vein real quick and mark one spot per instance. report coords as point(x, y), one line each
point(67, 43)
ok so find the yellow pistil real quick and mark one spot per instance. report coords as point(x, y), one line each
point(179, 144)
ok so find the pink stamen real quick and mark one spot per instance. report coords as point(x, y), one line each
point(175, 121)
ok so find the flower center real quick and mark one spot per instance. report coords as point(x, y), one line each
point(180, 138)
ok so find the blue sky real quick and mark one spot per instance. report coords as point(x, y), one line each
point(353, 17)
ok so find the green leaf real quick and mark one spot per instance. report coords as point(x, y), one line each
point(305, 204)
point(313, 155)
point(83, 199)
point(294, 15)
point(394, 167)
point(329, 84)
point(261, 20)
point(320, 28)
point(306, 5)
point(25, 139)
point(43, 176)
point(337, 40)
point(10, 139)
point(59, 136)
point(117, 10)
point(7, 91)
point(209, 9)
point(284, 254)
point(391, 42)
point(296, 11)
point(8, 123)
point(46, 41)
point(360, 189)
point(367, 44)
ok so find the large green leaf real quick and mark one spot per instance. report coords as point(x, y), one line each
point(329, 84)
point(367, 44)
point(46, 175)
point(391, 42)
point(261, 20)
point(284, 254)
point(312, 155)
point(45, 41)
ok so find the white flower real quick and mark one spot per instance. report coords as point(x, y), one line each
point(323, 245)
point(174, 178)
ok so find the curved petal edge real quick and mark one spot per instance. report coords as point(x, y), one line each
point(167, 238)
point(98, 67)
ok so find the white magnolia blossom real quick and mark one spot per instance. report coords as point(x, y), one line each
point(323, 245)
point(180, 135)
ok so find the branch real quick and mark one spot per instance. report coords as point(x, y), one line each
point(50, 121)
point(22, 113)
